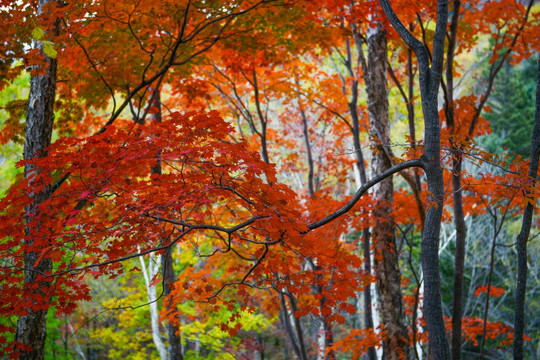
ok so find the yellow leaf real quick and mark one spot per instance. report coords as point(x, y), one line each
point(38, 33)
point(49, 50)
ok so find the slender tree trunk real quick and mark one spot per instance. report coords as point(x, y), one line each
point(31, 328)
point(298, 327)
point(286, 321)
point(366, 235)
point(438, 342)
point(396, 344)
point(153, 269)
point(175, 343)
point(169, 276)
point(459, 260)
point(263, 120)
point(361, 167)
point(459, 216)
point(519, 322)
point(297, 339)
point(368, 311)
point(311, 166)
point(326, 327)
point(326, 340)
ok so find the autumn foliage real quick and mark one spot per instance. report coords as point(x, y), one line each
point(237, 139)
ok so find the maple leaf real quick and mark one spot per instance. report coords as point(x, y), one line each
point(155, 280)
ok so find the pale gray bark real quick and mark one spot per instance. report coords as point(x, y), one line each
point(31, 328)
point(154, 264)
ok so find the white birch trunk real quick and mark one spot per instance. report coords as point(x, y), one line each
point(154, 264)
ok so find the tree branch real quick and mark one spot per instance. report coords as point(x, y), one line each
point(364, 188)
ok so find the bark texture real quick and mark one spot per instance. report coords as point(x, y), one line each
point(31, 328)
point(396, 344)
point(521, 287)
point(430, 79)
point(175, 343)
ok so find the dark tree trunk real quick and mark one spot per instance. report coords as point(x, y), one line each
point(368, 312)
point(396, 344)
point(430, 78)
point(311, 166)
point(519, 323)
point(263, 120)
point(31, 328)
point(459, 261)
point(169, 276)
point(298, 327)
point(459, 216)
point(286, 322)
point(296, 334)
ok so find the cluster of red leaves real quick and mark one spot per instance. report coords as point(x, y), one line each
point(473, 328)
point(493, 291)
point(321, 278)
point(108, 207)
point(358, 341)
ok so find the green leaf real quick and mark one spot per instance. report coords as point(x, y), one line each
point(38, 33)
point(49, 50)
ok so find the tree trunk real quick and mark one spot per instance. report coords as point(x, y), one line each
point(396, 343)
point(519, 323)
point(361, 167)
point(31, 328)
point(286, 322)
point(459, 216)
point(459, 261)
point(153, 269)
point(311, 166)
point(169, 277)
point(368, 310)
point(175, 343)
point(429, 79)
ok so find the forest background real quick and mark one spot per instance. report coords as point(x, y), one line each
point(269, 179)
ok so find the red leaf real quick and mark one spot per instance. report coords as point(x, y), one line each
point(157, 278)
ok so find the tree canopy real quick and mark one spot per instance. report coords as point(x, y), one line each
point(253, 179)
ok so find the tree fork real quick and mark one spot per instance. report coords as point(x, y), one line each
point(430, 78)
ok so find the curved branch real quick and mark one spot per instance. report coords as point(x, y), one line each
point(364, 188)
